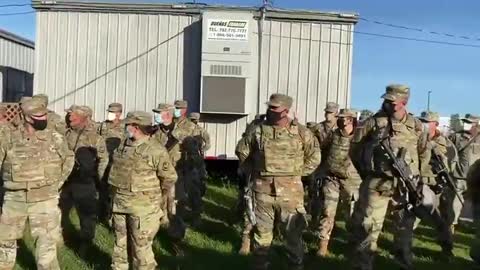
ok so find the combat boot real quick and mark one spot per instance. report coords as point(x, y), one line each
point(322, 249)
point(245, 248)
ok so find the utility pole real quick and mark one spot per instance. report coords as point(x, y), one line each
point(428, 101)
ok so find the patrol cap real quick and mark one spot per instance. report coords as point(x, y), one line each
point(347, 113)
point(163, 107)
point(34, 107)
point(394, 92)
point(471, 118)
point(331, 107)
point(80, 110)
point(194, 116)
point(429, 117)
point(42, 97)
point(280, 100)
point(115, 107)
point(138, 117)
point(180, 104)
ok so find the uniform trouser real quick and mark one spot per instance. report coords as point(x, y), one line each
point(44, 220)
point(333, 188)
point(451, 207)
point(291, 212)
point(139, 230)
point(475, 249)
point(368, 218)
point(84, 198)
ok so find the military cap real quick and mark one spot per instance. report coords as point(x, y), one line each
point(181, 104)
point(42, 97)
point(163, 107)
point(115, 107)
point(140, 118)
point(34, 107)
point(347, 113)
point(394, 92)
point(280, 100)
point(429, 117)
point(331, 107)
point(471, 118)
point(194, 116)
point(23, 99)
point(81, 110)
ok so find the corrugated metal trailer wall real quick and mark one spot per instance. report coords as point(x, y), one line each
point(98, 57)
point(16, 66)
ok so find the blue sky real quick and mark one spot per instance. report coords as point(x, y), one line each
point(450, 72)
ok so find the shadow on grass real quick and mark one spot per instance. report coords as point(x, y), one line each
point(25, 257)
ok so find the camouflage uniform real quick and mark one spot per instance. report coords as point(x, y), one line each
point(91, 159)
point(379, 185)
point(55, 121)
point(322, 131)
point(280, 157)
point(468, 147)
point(142, 173)
point(341, 177)
point(205, 138)
point(114, 135)
point(34, 166)
point(438, 145)
point(183, 144)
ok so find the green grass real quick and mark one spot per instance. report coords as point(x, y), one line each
point(215, 244)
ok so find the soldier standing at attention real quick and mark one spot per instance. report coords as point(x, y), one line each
point(340, 177)
point(205, 138)
point(35, 162)
point(54, 120)
point(394, 126)
point(142, 174)
point(282, 151)
point(467, 143)
point(113, 131)
point(91, 159)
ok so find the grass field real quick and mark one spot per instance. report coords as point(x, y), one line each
point(214, 245)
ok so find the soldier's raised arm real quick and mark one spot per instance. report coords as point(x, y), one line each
point(311, 156)
point(67, 155)
point(102, 155)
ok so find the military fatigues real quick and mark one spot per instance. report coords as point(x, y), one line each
point(91, 158)
point(280, 157)
point(341, 178)
point(34, 168)
point(468, 147)
point(141, 172)
point(205, 138)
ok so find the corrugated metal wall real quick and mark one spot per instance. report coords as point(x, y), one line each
point(141, 60)
point(17, 56)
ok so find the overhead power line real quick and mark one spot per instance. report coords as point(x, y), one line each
point(419, 30)
point(16, 13)
point(14, 5)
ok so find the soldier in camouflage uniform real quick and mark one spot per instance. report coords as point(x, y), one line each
point(364, 115)
point(55, 121)
point(322, 132)
point(205, 138)
point(281, 151)
point(467, 143)
point(35, 162)
point(340, 177)
point(91, 159)
point(399, 129)
point(142, 174)
point(113, 131)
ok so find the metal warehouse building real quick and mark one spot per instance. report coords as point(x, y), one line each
point(225, 61)
point(16, 66)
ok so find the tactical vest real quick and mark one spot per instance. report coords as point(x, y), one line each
point(133, 170)
point(280, 151)
point(467, 154)
point(400, 135)
point(29, 164)
point(338, 160)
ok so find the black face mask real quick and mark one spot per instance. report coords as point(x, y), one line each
point(274, 117)
point(39, 124)
point(388, 108)
point(67, 119)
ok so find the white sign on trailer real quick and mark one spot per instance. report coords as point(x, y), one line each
point(230, 30)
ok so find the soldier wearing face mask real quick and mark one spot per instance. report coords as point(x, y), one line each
point(467, 142)
point(112, 130)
